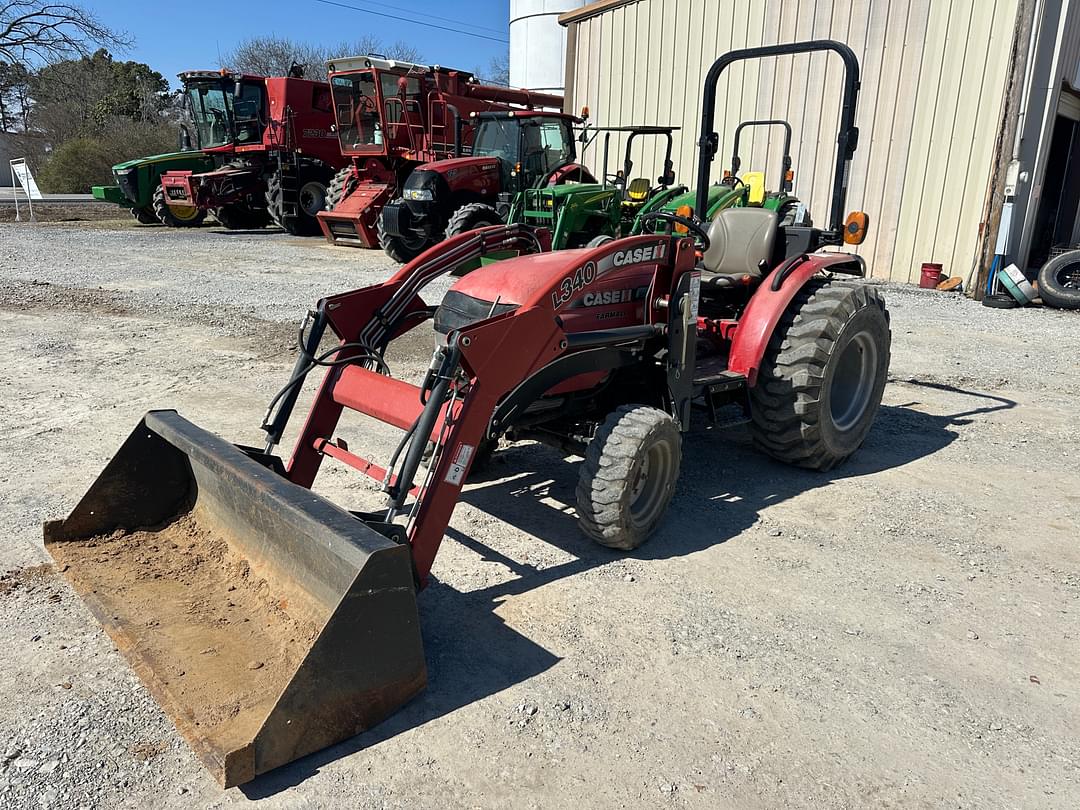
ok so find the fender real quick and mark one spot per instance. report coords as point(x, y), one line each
point(767, 305)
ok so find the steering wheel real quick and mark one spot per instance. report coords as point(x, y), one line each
point(672, 219)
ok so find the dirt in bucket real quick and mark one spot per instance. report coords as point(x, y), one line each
point(221, 640)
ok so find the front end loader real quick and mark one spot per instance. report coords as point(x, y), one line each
point(270, 622)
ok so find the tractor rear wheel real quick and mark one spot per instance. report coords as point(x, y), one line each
point(312, 200)
point(822, 376)
point(1059, 281)
point(401, 249)
point(186, 217)
point(343, 184)
point(145, 216)
point(628, 477)
point(470, 217)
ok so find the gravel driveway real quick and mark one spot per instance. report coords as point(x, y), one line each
point(899, 632)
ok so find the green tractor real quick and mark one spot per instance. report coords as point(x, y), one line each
point(590, 214)
point(137, 180)
point(747, 190)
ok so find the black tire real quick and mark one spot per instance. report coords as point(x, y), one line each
point(628, 477)
point(145, 216)
point(1059, 281)
point(169, 216)
point(822, 376)
point(401, 249)
point(597, 241)
point(1000, 301)
point(238, 217)
point(470, 217)
point(305, 222)
point(341, 186)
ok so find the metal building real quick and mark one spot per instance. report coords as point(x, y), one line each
point(965, 105)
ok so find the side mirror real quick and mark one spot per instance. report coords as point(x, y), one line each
point(238, 88)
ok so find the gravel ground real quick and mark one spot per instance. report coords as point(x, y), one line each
point(899, 632)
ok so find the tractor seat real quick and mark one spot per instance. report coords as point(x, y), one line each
point(741, 242)
point(637, 191)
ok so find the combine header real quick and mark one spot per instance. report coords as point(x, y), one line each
point(274, 144)
point(271, 623)
point(391, 117)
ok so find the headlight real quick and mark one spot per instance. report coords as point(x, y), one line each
point(549, 203)
point(424, 194)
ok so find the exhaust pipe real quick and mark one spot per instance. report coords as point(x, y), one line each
point(266, 621)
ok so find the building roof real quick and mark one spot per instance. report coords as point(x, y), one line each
point(591, 10)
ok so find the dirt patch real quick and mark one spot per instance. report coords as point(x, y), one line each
point(103, 215)
point(145, 751)
point(26, 579)
point(215, 634)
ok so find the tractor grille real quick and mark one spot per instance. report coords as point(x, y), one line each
point(176, 193)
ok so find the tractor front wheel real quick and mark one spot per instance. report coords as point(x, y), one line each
point(628, 477)
point(145, 216)
point(470, 217)
point(183, 217)
point(401, 249)
point(822, 376)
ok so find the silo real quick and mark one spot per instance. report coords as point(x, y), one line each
point(538, 43)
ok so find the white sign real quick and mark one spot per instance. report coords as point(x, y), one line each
point(21, 172)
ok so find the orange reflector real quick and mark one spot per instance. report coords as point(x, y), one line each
point(683, 211)
point(727, 174)
point(789, 175)
point(585, 112)
point(855, 228)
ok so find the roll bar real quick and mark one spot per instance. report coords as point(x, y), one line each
point(736, 161)
point(847, 139)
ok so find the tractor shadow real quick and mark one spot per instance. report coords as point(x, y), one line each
point(725, 484)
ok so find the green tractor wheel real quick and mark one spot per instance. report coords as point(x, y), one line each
point(186, 217)
point(145, 216)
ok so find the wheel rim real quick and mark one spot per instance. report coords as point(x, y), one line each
point(184, 213)
point(648, 493)
point(852, 384)
point(1069, 276)
point(312, 198)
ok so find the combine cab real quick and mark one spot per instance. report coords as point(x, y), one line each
point(273, 142)
point(392, 117)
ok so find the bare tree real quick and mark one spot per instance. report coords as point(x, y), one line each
point(37, 31)
point(273, 55)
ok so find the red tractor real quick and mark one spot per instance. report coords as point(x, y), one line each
point(603, 352)
point(275, 142)
point(512, 151)
point(391, 117)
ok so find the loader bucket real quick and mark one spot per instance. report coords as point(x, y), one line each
point(267, 622)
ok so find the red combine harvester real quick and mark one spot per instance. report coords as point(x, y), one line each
point(600, 352)
point(275, 141)
point(391, 117)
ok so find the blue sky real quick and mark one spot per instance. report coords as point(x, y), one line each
point(188, 35)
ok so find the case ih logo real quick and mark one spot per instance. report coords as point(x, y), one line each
point(641, 254)
point(599, 299)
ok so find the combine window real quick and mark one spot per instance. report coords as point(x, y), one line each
point(356, 108)
point(223, 113)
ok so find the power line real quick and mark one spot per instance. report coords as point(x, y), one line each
point(428, 16)
point(414, 22)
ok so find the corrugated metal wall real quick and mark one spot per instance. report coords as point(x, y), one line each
point(933, 78)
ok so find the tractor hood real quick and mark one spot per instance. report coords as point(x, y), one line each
point(720, 196)
point(145, 161)
point(453, 166)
